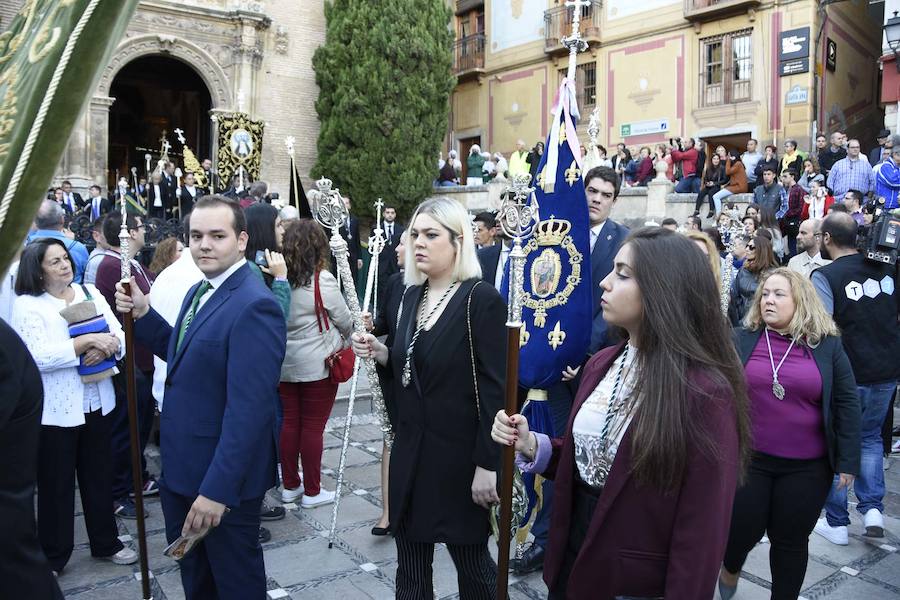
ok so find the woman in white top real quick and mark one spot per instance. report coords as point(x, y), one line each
point(319, 319)
point(74, 427)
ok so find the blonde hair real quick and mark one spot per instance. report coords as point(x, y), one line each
point(712, 253)
point(810, 323)
point(453, 217)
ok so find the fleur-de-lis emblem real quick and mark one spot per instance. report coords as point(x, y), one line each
point(556, 336)
point(540, 178)
point(524, 336)
point(562, 133)
point(572, 173)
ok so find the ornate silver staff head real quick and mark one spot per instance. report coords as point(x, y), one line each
point(328, 206)
point(519, 211)
point(124, 236)
point(377, 240)
point(594, 126)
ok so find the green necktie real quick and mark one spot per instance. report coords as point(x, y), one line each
point(205, 286)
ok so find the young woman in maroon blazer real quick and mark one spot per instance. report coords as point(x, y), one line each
point(646, 471)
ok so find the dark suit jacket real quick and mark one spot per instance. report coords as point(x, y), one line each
point(386, 324)
point(642, 542)
point(24, 570)
point(442, 431)
point(167, 197)
point(611, 237)
point(387, 260)
point(841, 412)
point(353, 243)
point(105, 206)
point(220, 424)
point(489, 258)
point(186, 202)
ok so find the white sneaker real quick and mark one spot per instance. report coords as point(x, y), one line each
point(289, 495)
point(835, 535)
point(895, 447)
point(125, 556)
point(320, 499)
point(874, 523)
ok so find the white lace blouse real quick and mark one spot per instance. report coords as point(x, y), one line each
point(592, 459)
point(46, 334)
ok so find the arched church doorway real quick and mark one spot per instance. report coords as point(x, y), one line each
point(154, 96)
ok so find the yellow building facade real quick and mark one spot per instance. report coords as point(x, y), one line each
point(723, 71)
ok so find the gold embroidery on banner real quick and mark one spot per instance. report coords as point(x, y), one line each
point(552, 232)
point(41, 46)
point(556, 337)
point(524, 336)
point(8, 43)
point(572, 173)
point(562, 133)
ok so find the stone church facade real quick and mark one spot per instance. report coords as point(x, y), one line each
point(254, 53)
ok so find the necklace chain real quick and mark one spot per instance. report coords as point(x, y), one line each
point(406, 375)
point(615, 403)
point(777, 388)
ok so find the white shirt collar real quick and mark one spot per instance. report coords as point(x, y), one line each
point(596, 229)
point(218, 280)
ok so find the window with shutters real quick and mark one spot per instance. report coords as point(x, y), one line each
point(726, 67)
point(585, 85)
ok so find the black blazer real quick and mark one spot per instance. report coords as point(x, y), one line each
point(605, 248)
point(841, 410)
point(386, 324)
point(442, 433)
point(106, 205)
point(489, 258)
point(24, 570)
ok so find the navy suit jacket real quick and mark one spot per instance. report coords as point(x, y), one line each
point(489, 257)
point(220, 423)
point(611, 237)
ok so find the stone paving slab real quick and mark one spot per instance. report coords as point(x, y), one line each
point(300, 565)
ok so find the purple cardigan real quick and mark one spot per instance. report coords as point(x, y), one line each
point(642, 542)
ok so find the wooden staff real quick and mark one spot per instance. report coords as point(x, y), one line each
point(518, 217)
point(131, 395)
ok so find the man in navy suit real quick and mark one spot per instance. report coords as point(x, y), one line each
point(601, 186)
point(219, 426)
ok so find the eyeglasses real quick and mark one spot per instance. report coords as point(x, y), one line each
point(751, 247)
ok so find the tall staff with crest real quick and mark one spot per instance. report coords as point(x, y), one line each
point(329, 210)
point(131, 395)
point(518, 217)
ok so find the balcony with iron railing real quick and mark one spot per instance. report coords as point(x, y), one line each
point(468, 56)
point(710, 10)
point(724, 90)
point(558, 24)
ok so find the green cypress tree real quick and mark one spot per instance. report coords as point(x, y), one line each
point(385, 77)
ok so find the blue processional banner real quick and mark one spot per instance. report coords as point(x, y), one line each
point(556, 314)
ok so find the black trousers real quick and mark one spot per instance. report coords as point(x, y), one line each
point(706, 194)
point(783, 497)
point(120, 439)
point(584, 500)
point(65, 452)
point(476, 571)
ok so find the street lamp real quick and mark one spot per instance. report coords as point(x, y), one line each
point(892, 34)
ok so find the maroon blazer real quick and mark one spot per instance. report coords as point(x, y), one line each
point(642, 542)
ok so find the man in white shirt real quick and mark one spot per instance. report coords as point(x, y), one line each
point(808, 257)
point(166, 297)
point(751, 158)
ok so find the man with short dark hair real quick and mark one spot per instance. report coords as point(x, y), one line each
point(387, 260)
point(853, 200)
point(219, 424)
point(851, 173)
point(50, 222)
point(691, 167)
point(109, 272)
point(795, 200)
point(72, 200)
point(751, 158)
point(96, 205)
point(670, 224)
point(860, 294)
point(485, 228)
point(768, 194)
point(99, 251)
point(693, 223)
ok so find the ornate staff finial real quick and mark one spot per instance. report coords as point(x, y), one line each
point(518, 217)
point(574, 42)
point(328, 207)
point(594, 126)
point(179, 133)
point(124, 236)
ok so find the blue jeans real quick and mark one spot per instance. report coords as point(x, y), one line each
point(874, 400)
point(688, 185)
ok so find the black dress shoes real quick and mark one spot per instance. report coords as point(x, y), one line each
point(532, 560)
point(264, 535)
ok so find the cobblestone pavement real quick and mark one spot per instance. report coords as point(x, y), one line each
point(299, 564)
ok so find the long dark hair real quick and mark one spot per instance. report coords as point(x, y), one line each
point(261, 219)
point(305, 251)
point(682, 335)
point(763, 257)
point(30, 276)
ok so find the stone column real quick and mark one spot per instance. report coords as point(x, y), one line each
point(98, 140)
point(75, 167)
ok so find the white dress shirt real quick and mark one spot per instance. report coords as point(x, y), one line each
point(806, 264)
point(157, 196)
point(46, 334)
point(595, 234)
point(166, 297)
point(501, 266)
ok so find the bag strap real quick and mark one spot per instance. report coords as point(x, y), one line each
point(321, 313)
point(472, 350)
point(87, 294)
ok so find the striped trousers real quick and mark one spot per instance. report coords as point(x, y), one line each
point(476, 571)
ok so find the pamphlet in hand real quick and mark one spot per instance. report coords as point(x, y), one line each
point(184, 544)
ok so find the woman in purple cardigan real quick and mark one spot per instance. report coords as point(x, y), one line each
point(646, 471)
point(806, 423)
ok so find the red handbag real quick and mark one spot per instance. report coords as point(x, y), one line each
point(340, 362)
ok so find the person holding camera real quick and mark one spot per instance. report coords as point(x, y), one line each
point(859, 293)
point(690, 166)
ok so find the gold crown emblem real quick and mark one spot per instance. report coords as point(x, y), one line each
point(552, 231)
